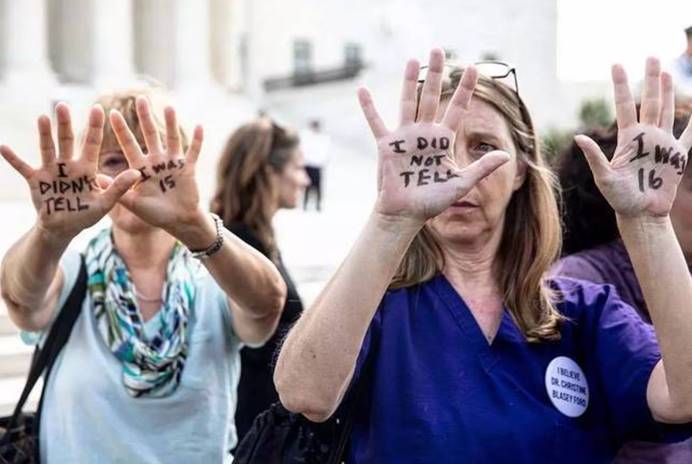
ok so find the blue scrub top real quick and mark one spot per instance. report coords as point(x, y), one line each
point(439, 393)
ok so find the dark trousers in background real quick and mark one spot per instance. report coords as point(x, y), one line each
point(315, 187)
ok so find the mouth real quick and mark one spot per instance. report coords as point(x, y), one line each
point(464, 204)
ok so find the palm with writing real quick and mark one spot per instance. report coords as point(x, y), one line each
point(167, 195)
point(642, 178)
point(67, 192)
point(417, 175)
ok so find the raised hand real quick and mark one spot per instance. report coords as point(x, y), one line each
point(167, 194)
point(642, 177)
point(66, 191)
point(417, 175)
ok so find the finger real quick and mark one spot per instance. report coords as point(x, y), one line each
point(668, 103)
point(94, 135)
point(195, 145)
point(651, 93)
point(152, 139)
point(461, 99)
point(594, 156)
point(120, 185)
point(686, 136)
point(65, 133)
point(430, 97)
point(103, 181)
point(625, 109)
point(172, 132)
point(126, 139)
point(409, 92)
point(474, 172)
point(16, 162)
point(371, 115)
point(46, 143)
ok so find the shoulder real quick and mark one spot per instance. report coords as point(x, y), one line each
point(585, 302)
point(70, 264)
point(574, 294)
point(411, 298)
point(597, 264)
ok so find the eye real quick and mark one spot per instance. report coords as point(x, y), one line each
point(485, 147)
point(112, 163)
point(479, 149)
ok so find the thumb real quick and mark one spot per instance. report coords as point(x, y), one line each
point(119, 185)
point(479, 169)
point(103, 181)
point(594, 156)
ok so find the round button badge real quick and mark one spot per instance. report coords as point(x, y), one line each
point(567, 387)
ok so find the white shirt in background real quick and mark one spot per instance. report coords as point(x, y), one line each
point(315, 148)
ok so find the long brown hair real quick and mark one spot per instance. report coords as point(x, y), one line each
point(531, 237)
point(245, 193)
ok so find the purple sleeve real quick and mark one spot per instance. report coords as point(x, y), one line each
point(626, 351)
point(577, 267)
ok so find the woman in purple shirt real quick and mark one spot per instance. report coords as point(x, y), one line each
point(591, 244)
point(594, 251)
point(476, 357)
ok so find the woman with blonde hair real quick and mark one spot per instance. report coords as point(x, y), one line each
point(472, 353)
point(260, 171)
point(149, 371)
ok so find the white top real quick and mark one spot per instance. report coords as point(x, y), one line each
point(88, 416)
point(315, 148)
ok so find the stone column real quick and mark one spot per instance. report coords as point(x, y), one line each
point(192, 44)
point(113, 51)
point(24, 38)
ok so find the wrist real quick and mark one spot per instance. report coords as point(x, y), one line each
point(642, 223)
point(197, 232)
point(52, 238)
point(396, 225)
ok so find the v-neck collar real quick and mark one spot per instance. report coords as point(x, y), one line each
point(488, 353)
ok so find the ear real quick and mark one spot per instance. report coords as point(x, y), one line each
point(520, 176)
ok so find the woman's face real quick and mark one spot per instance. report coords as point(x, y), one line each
point(480, 214)
point(291, 181)
point(112, 162)
point(681, 215)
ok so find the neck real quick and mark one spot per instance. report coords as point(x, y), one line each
point(274, 207)
point(146, 250)
point(688, 52)
point(471, 267)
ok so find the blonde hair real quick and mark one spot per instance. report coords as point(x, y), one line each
point(531, 239)
point(124, 102)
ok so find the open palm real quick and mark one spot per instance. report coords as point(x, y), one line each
point(66, 191)
point(417, 174)
point(644, 173)
point(167, 194)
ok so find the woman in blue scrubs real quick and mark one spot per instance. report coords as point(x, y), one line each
point(476, 355)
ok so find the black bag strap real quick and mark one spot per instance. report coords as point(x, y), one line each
point(44, 358)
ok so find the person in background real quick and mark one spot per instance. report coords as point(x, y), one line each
point(594, 251)
point(592, 247)
point(316, 147)
point(149, 371)
point(260, 172)
point(681, 69)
